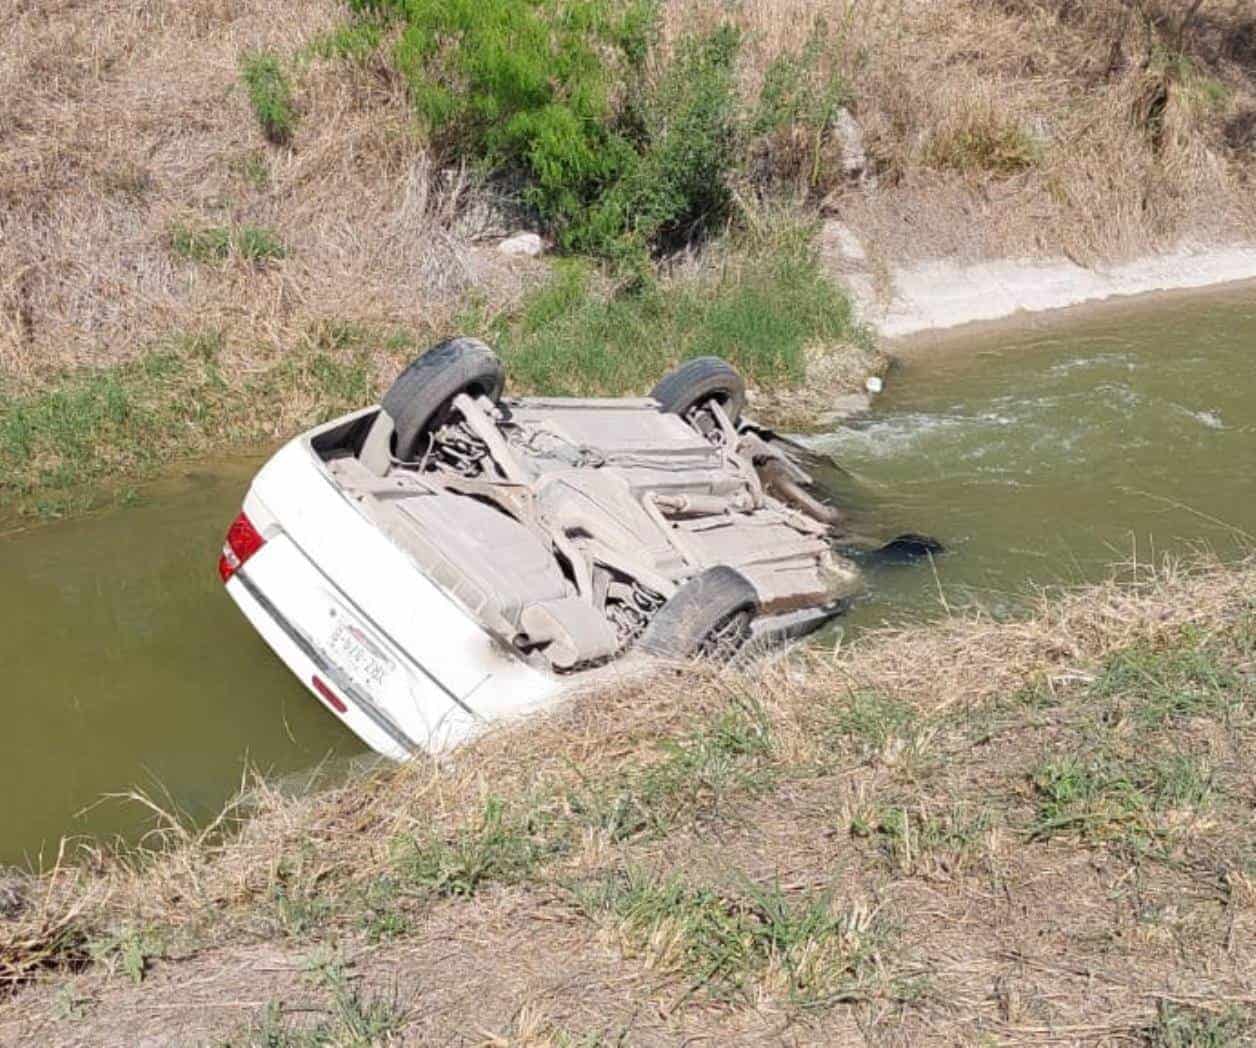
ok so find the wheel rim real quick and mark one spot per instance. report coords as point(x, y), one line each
point(726, 637)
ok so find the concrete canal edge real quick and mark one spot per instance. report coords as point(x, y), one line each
point(938, 294)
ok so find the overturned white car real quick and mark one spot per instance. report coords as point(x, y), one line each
point(452, 555)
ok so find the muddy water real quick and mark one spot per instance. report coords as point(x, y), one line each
point(1039, 456)
point(1044, 455)
point(125, 664)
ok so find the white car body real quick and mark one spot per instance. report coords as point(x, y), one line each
point(445, 677)
point(523, 548)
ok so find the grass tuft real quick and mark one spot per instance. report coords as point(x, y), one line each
point(131, 949)
point(1179, 1026)
point(216, 244)
point(1099, 796)
point(983, 146)
point(270, 95)
point(919, 841)
point(353, 41)
point(505, 846)
point(356, 1020)
point(722, 942)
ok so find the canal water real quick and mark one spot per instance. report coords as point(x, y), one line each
point(126, 665)
point(1049, 454)
point(1040, 456)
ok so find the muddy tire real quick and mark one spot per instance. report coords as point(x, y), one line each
point(420, 397)
point(699, 380)
point(708, 617)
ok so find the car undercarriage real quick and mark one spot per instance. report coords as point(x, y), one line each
point(576, 529)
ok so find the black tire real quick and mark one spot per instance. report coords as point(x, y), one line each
point(420, 397)
point(699, 380)
point(709, 616)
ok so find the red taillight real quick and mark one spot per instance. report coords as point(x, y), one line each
point(242, 542)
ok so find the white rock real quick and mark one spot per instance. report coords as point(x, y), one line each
point(522, 244)
point(873, 384)
point(850, 134)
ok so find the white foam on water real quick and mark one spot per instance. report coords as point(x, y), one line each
point(1100, 360)
point(1207, 419)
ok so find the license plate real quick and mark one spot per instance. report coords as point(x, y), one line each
point(354, 652)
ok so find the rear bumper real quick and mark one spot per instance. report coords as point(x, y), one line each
point(302, 656)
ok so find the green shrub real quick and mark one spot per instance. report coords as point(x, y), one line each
point(529, 85)
point(270, 96)
point(676, 183)
point(797, 105)
point(759, 309)
point(618, 149)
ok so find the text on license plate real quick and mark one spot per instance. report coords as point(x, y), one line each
point(353, 652)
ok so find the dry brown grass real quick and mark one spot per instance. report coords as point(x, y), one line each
point(1032, 127)
point(210, 900)
point(118, 123)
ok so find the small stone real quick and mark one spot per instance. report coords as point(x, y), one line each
point(522, 244)
point(874, 384)
point(12, 895)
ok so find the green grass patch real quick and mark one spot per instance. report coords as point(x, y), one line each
point(1096, 796)
point(724, 943)
point(506, 845)
point(878, 725)
point(254, 168)
point(352, 41)
point(215, 244)
point(62, 446)
point(1159, 686)
point(270, 95)
point(381, 919)
point(760, 310)
point(917, 840)
point(1181, 1026)
point(511, 842)
point(692, 776)
point(1131, 768)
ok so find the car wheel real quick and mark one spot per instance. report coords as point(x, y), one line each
point(419, 400)
point(708, 617)
point(700, 380)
